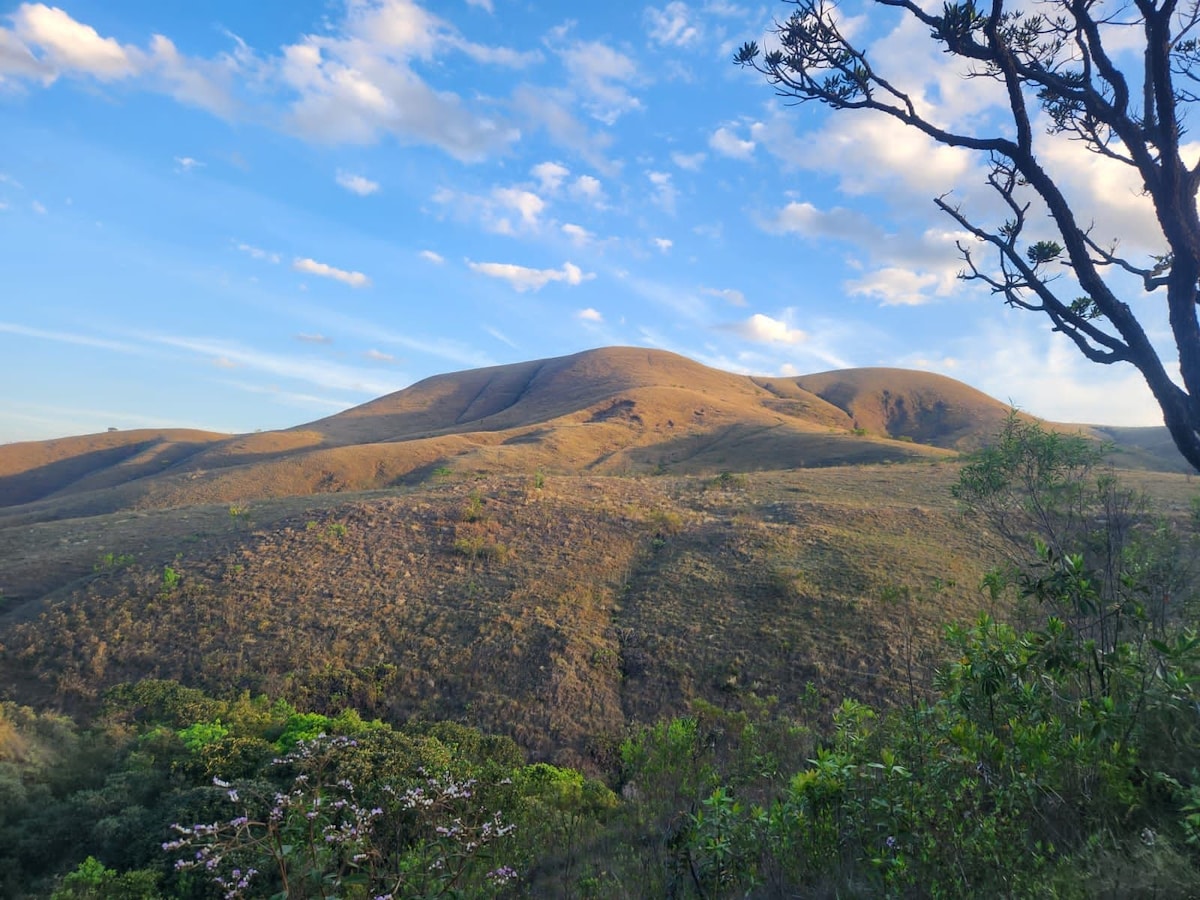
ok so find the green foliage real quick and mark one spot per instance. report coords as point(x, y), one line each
point(472, 510)
point(200, 734)
point(302, 727)
point(112, 562)
point(479, 546)
point(170, 579)
point(92, 881)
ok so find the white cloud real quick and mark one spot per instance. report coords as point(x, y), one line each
point(495, 56)
point(312, 267)
point(663, 244)
point(482, 4)
point(805, 219)
point(357, 83)
point(314, 339)
point(589, 315)
point(67, 46)
point(379, 356)
point(672, 25)
point(550, 175)
point(589, 188)
point(524, 279)
point(436, 258)
point(70, 45)
point(185, 164)
point(895, 286)
point(224, 362)
point(766, 330)
point(604, 76)
point(664, 191)
point(729, 144)
point(38, 208)
point(526, 203)
point(690, 161)
point(357, 184)
point(869, 153)
point(1020, 360)
point(259, 253)
point(203, 83)
point(552, 110)
point(493, 211)
point(17, 59)
point(578, 234)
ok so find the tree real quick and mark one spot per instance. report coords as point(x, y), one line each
point(1061, 60)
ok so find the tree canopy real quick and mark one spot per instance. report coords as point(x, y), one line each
point(1063, 72)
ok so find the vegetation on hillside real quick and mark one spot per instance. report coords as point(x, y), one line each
point(1054, 750)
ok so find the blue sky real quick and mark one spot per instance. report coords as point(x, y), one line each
point(237, 216)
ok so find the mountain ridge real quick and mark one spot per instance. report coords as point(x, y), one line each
point(606, 411)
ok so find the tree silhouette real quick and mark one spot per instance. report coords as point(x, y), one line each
point(1061, 61)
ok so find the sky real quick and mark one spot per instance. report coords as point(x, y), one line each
point(240, 216)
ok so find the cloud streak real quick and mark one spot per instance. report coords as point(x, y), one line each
point(324, 270)
point(523, 278)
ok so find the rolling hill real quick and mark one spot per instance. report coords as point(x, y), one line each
point(551, 549)
point(611, 411)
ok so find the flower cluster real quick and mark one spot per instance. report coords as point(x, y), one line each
point(429, 839)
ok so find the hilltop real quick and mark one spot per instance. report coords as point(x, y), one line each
point(612, 411)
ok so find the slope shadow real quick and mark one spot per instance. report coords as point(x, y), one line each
point(35, 484)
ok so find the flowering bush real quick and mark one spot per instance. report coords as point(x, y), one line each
point(318, 838)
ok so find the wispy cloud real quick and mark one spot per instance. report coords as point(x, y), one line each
point(579, 235)
point(367, 330)
point(291, 398)
point(674, 25)
point(259, 253)
point(299, 368)
point(186, 164)
point(357, 184)
point(664, 190)
point(430, 256)
point(501, 336)
point(314, 339)
point(65, 337)
point(604, 77)
point(736, 298)
point(312, 267)
point(589, 315)
point(725, 142)
point(524, 279)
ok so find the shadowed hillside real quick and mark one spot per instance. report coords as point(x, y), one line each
point(899, 403)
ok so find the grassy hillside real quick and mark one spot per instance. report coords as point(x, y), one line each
point(553, 549)
point(557, 613)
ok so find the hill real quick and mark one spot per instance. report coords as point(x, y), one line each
point(610, 411)
point(552, 549)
